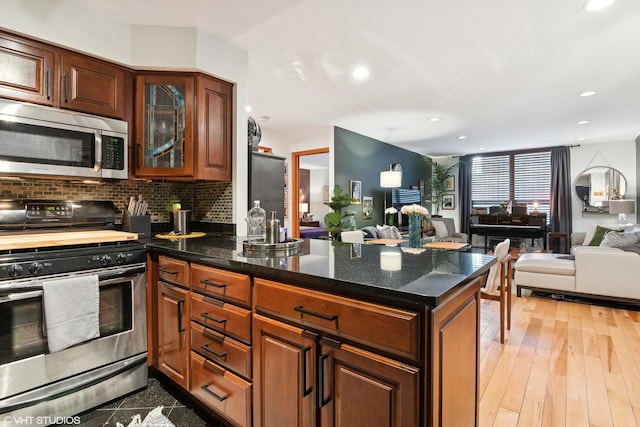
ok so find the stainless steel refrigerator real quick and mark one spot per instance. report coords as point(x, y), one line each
point(267, 183)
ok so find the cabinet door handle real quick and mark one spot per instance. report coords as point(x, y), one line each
point(213, 319)
point(164, 270)
point(47, 82)
point(66, 86)
point(305, 390)
point(138, 153)
point(216, 396)
point(206, 348)
point(180, 328)
point(206, 283)
point(321, 399)
point(329, 317)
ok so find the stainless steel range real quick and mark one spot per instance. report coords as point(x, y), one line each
point(72, 310)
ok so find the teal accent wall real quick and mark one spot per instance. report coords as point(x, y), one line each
point(360, 158)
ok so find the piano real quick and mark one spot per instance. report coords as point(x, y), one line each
point(531, 226)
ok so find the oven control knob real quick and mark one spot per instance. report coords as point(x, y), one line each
point(14, 270)
point(120, 258)
point(35, 268)
point(105, 260)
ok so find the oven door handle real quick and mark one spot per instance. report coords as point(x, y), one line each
point(20, 296)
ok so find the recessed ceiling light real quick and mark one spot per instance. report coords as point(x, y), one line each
point(580, 138)
point(462, 137)
point(588, 93)
point(594, 5)
point(360, 73)
point(584, 122)
point(434, 119)
point(264, 118)
point(248, 108)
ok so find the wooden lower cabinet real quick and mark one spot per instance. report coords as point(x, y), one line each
point(340, 385)
point(173, 334)
point(227, 394)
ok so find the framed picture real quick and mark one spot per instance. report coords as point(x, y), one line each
point(325, 193)
point(450, 184)
point(449, 201)
point(356, 191)
point(367, 207)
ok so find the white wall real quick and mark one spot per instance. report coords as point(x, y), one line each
point(618, 155)
point(285, 144)
point(67, 24)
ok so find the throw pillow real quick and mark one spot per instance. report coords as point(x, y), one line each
point(441, 230)
point(388, 232)
point(599, 235)
point(592, 231)
point(614, 239)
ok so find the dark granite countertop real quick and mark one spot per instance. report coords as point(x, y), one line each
point(423, 278)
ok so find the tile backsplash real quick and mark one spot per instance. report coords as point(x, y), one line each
point(208, 201)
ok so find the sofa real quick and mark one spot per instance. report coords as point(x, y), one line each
point(595, 271)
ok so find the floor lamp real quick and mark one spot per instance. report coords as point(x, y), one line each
point(391, 178)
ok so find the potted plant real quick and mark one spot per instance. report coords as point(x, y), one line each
point(337, 221)
point(438, 183)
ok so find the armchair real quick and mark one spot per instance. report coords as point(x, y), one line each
point(446, 230)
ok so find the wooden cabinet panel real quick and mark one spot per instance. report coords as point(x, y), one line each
point(91, 86)
point(285, 375)
point(173, 270)
point(173, 334)
point(382, 327)
point(228, 394)
point(359, 388)
point(215, 106)
point(221, 284)
point(222, 349)
point(455, 341)
point(222, 317)
point(27, 71)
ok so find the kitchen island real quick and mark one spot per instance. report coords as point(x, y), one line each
point(338, 334)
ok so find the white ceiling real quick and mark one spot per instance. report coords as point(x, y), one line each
point(505, 73)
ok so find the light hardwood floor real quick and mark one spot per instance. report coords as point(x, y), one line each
point(562, 364)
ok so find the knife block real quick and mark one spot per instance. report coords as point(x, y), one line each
point(140, 224)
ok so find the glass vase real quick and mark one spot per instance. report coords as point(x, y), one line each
point(415, 230)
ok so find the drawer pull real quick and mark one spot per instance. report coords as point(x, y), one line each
point(321, 399)
point(206, 283)
point(303, 310)
point(180, 328)
point(305, 390)
point(213, 393)
point(213, 319)
point(164, 270)
point(206, 348)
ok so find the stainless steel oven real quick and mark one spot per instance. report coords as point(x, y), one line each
point(35, 382)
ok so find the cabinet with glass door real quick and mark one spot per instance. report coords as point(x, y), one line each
point(183, 126)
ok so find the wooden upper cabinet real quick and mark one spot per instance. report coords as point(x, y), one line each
point(36, 72)
point(183, 126)
point(91, 86)
point(27, 71)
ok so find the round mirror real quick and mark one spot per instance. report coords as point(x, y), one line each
point(597, 185)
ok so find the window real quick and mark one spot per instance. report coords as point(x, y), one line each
point(523, 178)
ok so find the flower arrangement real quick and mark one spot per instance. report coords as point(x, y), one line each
point(414, 210)
point(391, 211)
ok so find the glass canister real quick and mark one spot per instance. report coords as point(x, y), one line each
point(256, 220)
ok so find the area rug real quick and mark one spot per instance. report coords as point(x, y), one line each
point(153, 419)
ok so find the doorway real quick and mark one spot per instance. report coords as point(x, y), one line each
point(306, 160)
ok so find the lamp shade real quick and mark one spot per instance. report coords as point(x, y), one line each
point(391, 179)
point(304, 207)
point(621, 206)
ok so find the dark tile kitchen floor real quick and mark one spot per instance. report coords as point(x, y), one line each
point(181, 411)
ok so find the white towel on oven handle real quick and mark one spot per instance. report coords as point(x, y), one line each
point(71, 310)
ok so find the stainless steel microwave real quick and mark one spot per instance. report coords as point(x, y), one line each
point(39, 140)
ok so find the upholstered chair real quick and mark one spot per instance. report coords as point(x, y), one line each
point(498, 285)
point(446, 230)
